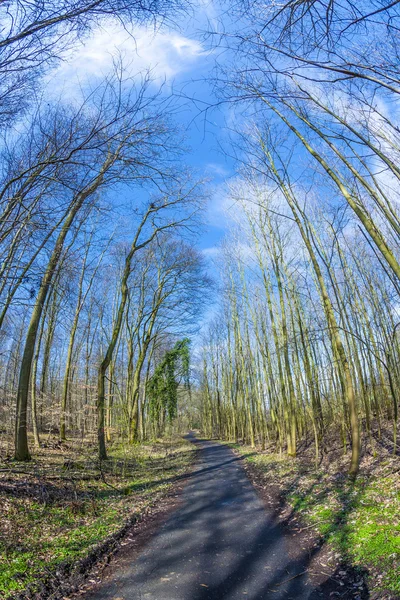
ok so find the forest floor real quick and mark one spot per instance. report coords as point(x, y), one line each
point(356, 526)
point(63, 516)
point(222, 543)
point(63, 511)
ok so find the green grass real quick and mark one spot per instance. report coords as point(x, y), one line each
point(360, 521)
point(50, 515)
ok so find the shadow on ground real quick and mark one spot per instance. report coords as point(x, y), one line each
point(223, 544)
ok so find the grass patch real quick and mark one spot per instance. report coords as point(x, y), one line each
point(58, 507)
point(360, 521)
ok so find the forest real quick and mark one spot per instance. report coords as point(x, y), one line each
point(199, 232)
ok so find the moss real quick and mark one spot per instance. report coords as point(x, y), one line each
point(361, 520)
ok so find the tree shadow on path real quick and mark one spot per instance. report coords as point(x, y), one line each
point(222, 544)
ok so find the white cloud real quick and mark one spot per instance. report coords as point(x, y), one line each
point(212, 252)
point(216, 211)
point(217, 169)
point(165, 52)
point(208, 9)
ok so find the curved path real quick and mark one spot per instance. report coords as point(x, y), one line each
point(221, 544)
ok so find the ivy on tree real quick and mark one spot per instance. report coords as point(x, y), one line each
point(162, 387)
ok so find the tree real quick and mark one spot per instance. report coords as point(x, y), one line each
point(174, 267)
point(35, 36)
point(120, 140)
point(163, 385)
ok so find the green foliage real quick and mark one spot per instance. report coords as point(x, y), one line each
point(162, 387)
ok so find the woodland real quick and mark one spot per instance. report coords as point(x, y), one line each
point(118, 334)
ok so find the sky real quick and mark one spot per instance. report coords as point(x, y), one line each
point(180, 58)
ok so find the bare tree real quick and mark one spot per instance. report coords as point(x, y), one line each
point(123, 140)
point(35, 35)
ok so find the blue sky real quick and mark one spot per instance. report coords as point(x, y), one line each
point(181, 58)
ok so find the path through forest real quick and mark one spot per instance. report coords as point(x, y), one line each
point(221, 544)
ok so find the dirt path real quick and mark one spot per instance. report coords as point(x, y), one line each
point(221, 544)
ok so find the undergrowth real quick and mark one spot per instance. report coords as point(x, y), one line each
point(360, 520)
point(59, 506)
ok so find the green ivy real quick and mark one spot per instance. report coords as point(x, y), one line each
point(162, 387)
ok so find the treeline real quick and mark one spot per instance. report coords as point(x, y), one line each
point(99, 277)
point(308, 338)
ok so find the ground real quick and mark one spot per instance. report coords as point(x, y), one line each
point(69, 522)
point(355, 525)
point(222, 543)
point(62, 511)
